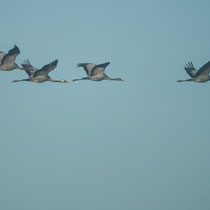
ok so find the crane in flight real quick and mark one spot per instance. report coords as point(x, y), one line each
point(39, 75)
point(201, 75)
point(95, 72)
point(7, 60)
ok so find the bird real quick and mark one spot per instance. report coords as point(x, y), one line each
point(39, 75)
point(95, 72)
point(7, 61)
point(201, 75)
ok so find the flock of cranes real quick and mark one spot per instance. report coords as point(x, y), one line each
point(7, 63)
point(94, 72)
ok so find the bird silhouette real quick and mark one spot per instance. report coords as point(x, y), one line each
point(7, 61)
point(39, 75)
point(95, 72)
point(201, 75)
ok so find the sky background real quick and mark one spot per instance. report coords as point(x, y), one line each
point(139, 144)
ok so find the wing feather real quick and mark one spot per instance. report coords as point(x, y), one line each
point(2, 54)
point(47, 68)
point(11, 56)
point(190, 69)
point(87, 67)
point(99, 69)
point(29, 69)
point(205, 69)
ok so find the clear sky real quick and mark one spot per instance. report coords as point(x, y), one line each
point(139, 145)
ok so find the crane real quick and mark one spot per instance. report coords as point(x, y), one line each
point(7, 61)
point(95, 72)
point(201, 75)
point(39, 75)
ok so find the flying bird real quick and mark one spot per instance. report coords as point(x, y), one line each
point(201, 75)
point(39, 75)
point(95, 72)
point(7, 61)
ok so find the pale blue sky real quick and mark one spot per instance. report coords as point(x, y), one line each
point(139, 145)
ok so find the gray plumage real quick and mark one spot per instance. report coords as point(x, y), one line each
point(2, 54)
point(87, 67)
point(29, 69)
point(201, 75)
point(7, 61)
point(39, 75)
point(95, 72)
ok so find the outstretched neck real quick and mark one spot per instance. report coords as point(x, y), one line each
point(108, 78)
point(22, 80)
point(186, 80)
point(116, 79)
point(54, 80)
point(61, 80)
point(84, 78)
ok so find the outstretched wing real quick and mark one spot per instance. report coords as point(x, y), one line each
point(190, 69)
point(99, 69)
point(2, 54)
point(10, 56)
point(29, 69)
point(205, 69)
point(87, 67)
point(46, 69)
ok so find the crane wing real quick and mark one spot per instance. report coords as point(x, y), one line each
point(2, 54)
point(11, 55)
point(47, 68)
point(190, 69)
point(205, 69)
point(87, 67)
point(99, 69)
point(29, 69)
